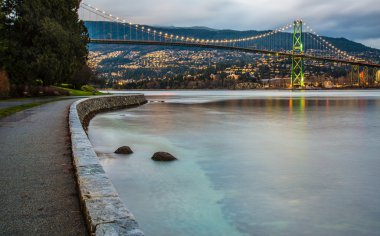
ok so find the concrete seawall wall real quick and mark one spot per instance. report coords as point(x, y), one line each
point(105, 213)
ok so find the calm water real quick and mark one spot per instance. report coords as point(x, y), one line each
point(250, 163)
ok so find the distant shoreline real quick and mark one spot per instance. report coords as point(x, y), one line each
point(258, 89)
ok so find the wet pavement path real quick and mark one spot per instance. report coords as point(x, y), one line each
point(38, 194)
point(22, 101)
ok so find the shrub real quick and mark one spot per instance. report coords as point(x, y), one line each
point(69, 86)
point(54, 91)
point(88, 88)
point(36, 91)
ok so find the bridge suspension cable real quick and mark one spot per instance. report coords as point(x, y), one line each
point(340, 54)
point(267, 39)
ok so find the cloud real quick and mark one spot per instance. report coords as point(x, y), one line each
point(356, 20)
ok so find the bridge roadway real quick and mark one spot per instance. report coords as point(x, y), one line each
point(222, 47)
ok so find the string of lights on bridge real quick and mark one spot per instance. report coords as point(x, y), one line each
point(332, 47)
point(168, 36)
point(319, 43)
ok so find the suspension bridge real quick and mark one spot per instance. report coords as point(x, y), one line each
point(296, 41)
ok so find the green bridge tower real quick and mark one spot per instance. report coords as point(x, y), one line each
point(297, 75)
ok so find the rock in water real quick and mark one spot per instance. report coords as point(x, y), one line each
point(163, 156)
point(124, 150)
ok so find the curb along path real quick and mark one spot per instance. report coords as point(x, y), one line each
point(38, 194)
point(105, 213)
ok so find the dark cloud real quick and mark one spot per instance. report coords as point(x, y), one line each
point(353, 19)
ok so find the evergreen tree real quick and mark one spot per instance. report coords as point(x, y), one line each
point(46, 40)
point(2, 32)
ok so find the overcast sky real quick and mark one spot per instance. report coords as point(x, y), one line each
point(358, 20)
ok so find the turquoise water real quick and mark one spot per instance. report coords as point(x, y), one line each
point(250, 162)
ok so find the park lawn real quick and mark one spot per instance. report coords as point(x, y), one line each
point(74, 92)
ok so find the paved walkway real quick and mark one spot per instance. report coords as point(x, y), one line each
point(21, 101)
point(17, 102)
point(38, 193)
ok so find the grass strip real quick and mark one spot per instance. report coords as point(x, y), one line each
point(11, 110)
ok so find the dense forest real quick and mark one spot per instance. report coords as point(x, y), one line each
point(42, 42)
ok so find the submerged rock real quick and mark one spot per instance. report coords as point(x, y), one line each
point(124, 150)
point(163, 156)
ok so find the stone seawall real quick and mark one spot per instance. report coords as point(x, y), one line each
point(105, 213)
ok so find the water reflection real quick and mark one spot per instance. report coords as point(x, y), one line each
point(260, 166)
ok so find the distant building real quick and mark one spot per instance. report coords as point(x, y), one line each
point(214, 77)
point(328, 84)
point(233, 76)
